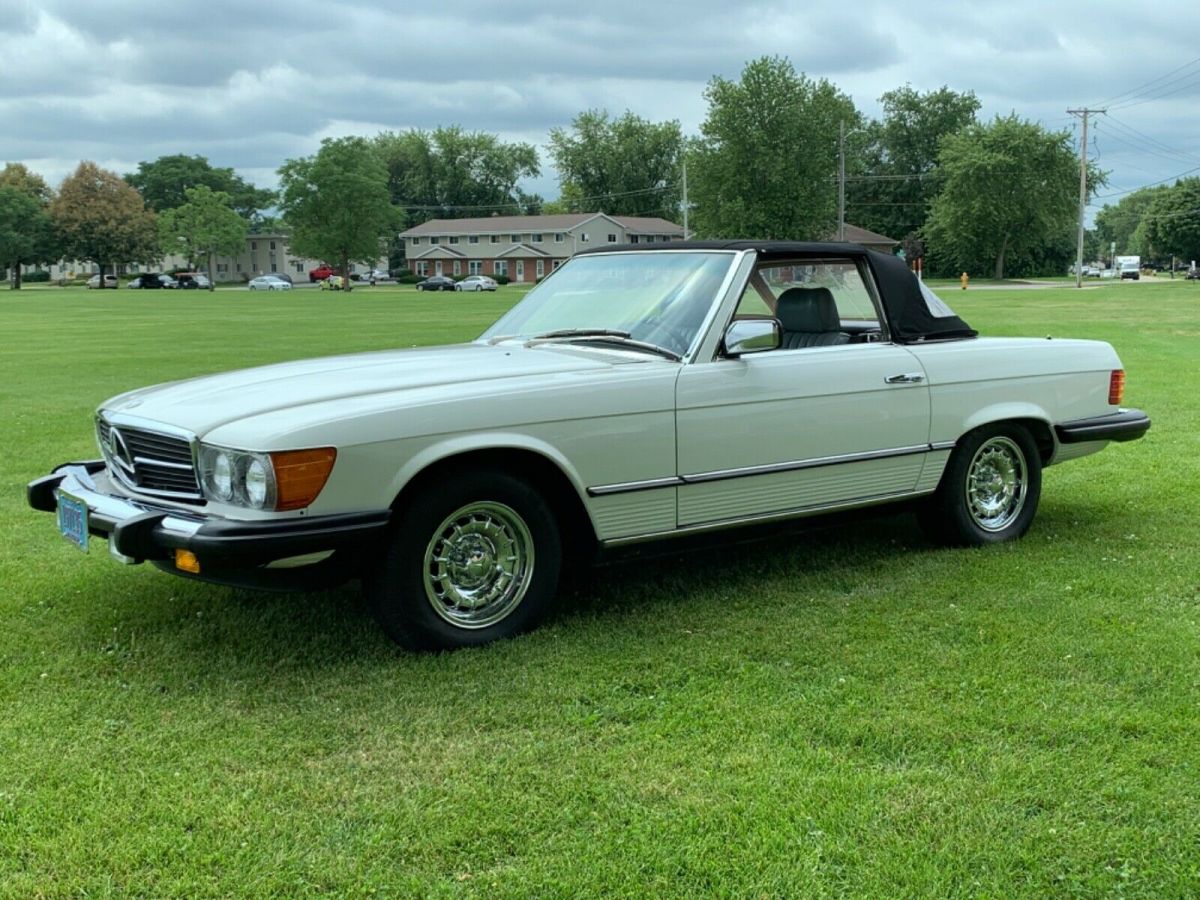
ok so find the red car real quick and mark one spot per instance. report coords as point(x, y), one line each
point(321, 272)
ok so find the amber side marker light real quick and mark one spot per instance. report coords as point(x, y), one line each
point(1116, 387)
point(300, 475)
point(186, 561)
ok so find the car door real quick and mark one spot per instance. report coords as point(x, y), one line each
point(794, 430)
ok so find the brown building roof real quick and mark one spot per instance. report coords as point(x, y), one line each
point(506, 224)
point(857, 235)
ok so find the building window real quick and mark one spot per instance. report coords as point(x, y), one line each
point(254, 245)
point(541, 268)
point(475, 267)
point(222, 267)
point(612, 238)
point(537, 238)
point(584, 238)
point(514, 239)
point(454, 239)
point(473, 239)
point(423, 268)
point(457, 267)
point(416, 241)
point(559, 238)
point(299, 266)
point(274, 268)
point(435, 240)
point(272, 247)
point(633, 239)
point(495, 238)
point(239, 267)
point(500, 267)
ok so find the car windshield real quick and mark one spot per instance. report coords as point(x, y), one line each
point(659, 298)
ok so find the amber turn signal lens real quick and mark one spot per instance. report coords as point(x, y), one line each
point(1116, 387)
point(185, 560)
point(300, 475)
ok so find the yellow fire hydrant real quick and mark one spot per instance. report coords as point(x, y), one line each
point(964, 280)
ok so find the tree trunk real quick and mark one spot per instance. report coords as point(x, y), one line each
point(16, 279)
point(346, 272)
point(212, 281)
point(1000, 259)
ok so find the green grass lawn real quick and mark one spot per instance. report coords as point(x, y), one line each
point(848, 712)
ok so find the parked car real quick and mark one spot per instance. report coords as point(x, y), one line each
point(437, 283)
point(476, 283)
point(269, 283)
point(282, 276)
point(110, 281)
point(1193, 273)
point(321, 272)
point(191, 280)
point(639, 395)
point(152, 280)
point(372, 276)
point(333, 283)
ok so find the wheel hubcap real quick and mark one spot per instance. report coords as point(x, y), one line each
point(478, 565)
point(996, 484)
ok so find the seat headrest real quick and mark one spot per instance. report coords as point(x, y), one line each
point(808, 309)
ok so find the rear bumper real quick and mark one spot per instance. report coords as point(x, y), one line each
point(1125, 425)
point(229, 551)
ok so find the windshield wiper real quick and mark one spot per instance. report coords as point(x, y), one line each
point(618, 338)
point(580, 332)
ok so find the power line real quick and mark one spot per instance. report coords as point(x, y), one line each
point(1126, 128)
point(1133, 91)
point(1151, 184)
point(1195, 80)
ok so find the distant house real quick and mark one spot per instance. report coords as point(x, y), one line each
point(869, 239)
point(522, 248)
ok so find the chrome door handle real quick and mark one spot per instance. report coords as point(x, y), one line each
point(907, 378)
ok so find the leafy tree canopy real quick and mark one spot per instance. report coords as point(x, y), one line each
point(336, 202)
point(1171, 223)
point(765, 163)
point(165, 181)
point(102, 218)
point(27, 235)
point(205, 225)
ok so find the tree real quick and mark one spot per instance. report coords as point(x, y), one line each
point(764, 166)
point(26, 231)
point(103, 219)
point(203, 227)
point(451, 173)
point(1121, 223)
point(1009, 188)
point(336, 202)
point(899, 160)
point(626, 166)
point(165, 181)
point(1171, 225)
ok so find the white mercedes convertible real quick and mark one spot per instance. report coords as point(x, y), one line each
point(638, 394)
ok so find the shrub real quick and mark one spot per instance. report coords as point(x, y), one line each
point(410, 278)
point(400, 273)
point(500, 279)
point(35, 277)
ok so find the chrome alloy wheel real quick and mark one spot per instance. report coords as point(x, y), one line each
point(478, 564)
point(996, 484)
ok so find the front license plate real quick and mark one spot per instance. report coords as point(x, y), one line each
point(73, 520)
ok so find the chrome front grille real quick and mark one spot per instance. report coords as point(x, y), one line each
point(149, 462)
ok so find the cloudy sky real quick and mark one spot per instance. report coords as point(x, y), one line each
point(249, 84)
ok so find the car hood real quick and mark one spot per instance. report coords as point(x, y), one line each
point(205, 403)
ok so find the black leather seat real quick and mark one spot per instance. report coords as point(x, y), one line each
point(809, 318)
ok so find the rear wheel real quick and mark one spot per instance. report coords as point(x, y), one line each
point(470, 560)
point(990, 490)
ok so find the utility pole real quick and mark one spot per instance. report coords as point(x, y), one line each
point(1083, 113)
point(686, 234)
point(841, 177)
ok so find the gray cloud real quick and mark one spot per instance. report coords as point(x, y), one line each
point(249, 85)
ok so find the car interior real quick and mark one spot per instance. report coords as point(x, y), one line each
point(817, 302)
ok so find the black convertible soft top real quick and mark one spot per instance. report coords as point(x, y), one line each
point(914, 313)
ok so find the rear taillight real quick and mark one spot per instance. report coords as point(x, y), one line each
point(1116, 387)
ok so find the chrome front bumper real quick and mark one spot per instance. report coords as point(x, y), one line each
point(226, 548)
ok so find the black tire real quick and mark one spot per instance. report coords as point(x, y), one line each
point(957, 516)
point(402, 589)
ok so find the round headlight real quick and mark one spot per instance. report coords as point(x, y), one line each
point(222, 476)
point(256, 483)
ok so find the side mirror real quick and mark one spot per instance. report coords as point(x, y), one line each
point(751, 336)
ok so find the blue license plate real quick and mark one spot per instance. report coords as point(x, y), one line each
point(73, 520)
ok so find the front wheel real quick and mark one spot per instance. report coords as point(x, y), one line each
point(470, 560)
point(990, 490)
